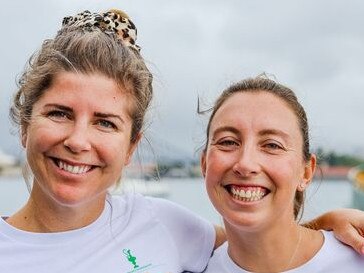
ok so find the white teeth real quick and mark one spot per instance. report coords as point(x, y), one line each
point(68, 168)
point(242, 193)
point(73, 169)
point(248, 195)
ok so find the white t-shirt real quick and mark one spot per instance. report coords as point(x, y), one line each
point(333, 257)
point(134, 234)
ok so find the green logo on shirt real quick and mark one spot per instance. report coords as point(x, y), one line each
point(130, 257)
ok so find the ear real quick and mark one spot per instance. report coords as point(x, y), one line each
point(309, 172)
point(132, 147)
point(203, 163)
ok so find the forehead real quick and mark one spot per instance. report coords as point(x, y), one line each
point(92, 81)
point(256, 111)
point(95, 90)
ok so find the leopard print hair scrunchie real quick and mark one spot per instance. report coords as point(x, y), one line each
point(111, 21)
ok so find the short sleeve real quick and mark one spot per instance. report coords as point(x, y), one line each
point(194, 236)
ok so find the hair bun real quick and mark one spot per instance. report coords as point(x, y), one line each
point(119, 12)
point(114, 20)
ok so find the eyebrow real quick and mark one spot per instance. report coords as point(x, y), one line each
point(59, 106)
point(226, 129)
point(96, 114)
point(108, 115)
point(264, 132)
point(274, 132)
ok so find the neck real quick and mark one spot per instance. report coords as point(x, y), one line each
point(44, 216)
point(257, 250)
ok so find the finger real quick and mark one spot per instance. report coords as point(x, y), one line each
point(351, 237)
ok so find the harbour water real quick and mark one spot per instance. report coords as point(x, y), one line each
point(321, 196)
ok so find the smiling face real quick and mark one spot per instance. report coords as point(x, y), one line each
point(253, 163)
point(78, 139)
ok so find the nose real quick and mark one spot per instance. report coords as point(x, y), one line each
point(77, 139)
point(247, 163)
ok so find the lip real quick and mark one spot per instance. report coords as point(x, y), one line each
point(71, 162)
point(240, 185)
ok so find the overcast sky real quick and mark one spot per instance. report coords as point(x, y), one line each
point(197, 48)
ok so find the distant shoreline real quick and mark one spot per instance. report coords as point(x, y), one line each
point(11, 171)
point(332, 172)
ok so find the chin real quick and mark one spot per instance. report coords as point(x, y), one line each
point(72, 197)
point(247, 222)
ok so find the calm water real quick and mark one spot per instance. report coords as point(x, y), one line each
point(321, 196)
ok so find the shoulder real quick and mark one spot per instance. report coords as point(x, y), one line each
point(177, 217)
point(158, 209)
point(193, 236)
point(333, 246)
point(335, 256)
point(144, 204)
point(218, 258)
point(183, 231)
point(128, 201)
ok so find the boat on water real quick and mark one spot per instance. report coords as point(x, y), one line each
point(142, 186)
point(9, 165)
point(356, 176)
point(6, 160)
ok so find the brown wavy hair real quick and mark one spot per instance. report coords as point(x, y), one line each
point(82, 50)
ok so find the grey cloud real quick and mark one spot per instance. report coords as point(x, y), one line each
point(199, 47)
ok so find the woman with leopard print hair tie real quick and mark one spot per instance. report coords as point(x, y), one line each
point(80, 108)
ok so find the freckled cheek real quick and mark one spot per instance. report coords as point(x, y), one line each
point(284, 174)
point(39, 142)
point(43, 138)
point(221, 160)
point(112, 150)
point(216, 167)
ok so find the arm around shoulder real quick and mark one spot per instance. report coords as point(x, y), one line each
point(347, 225)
